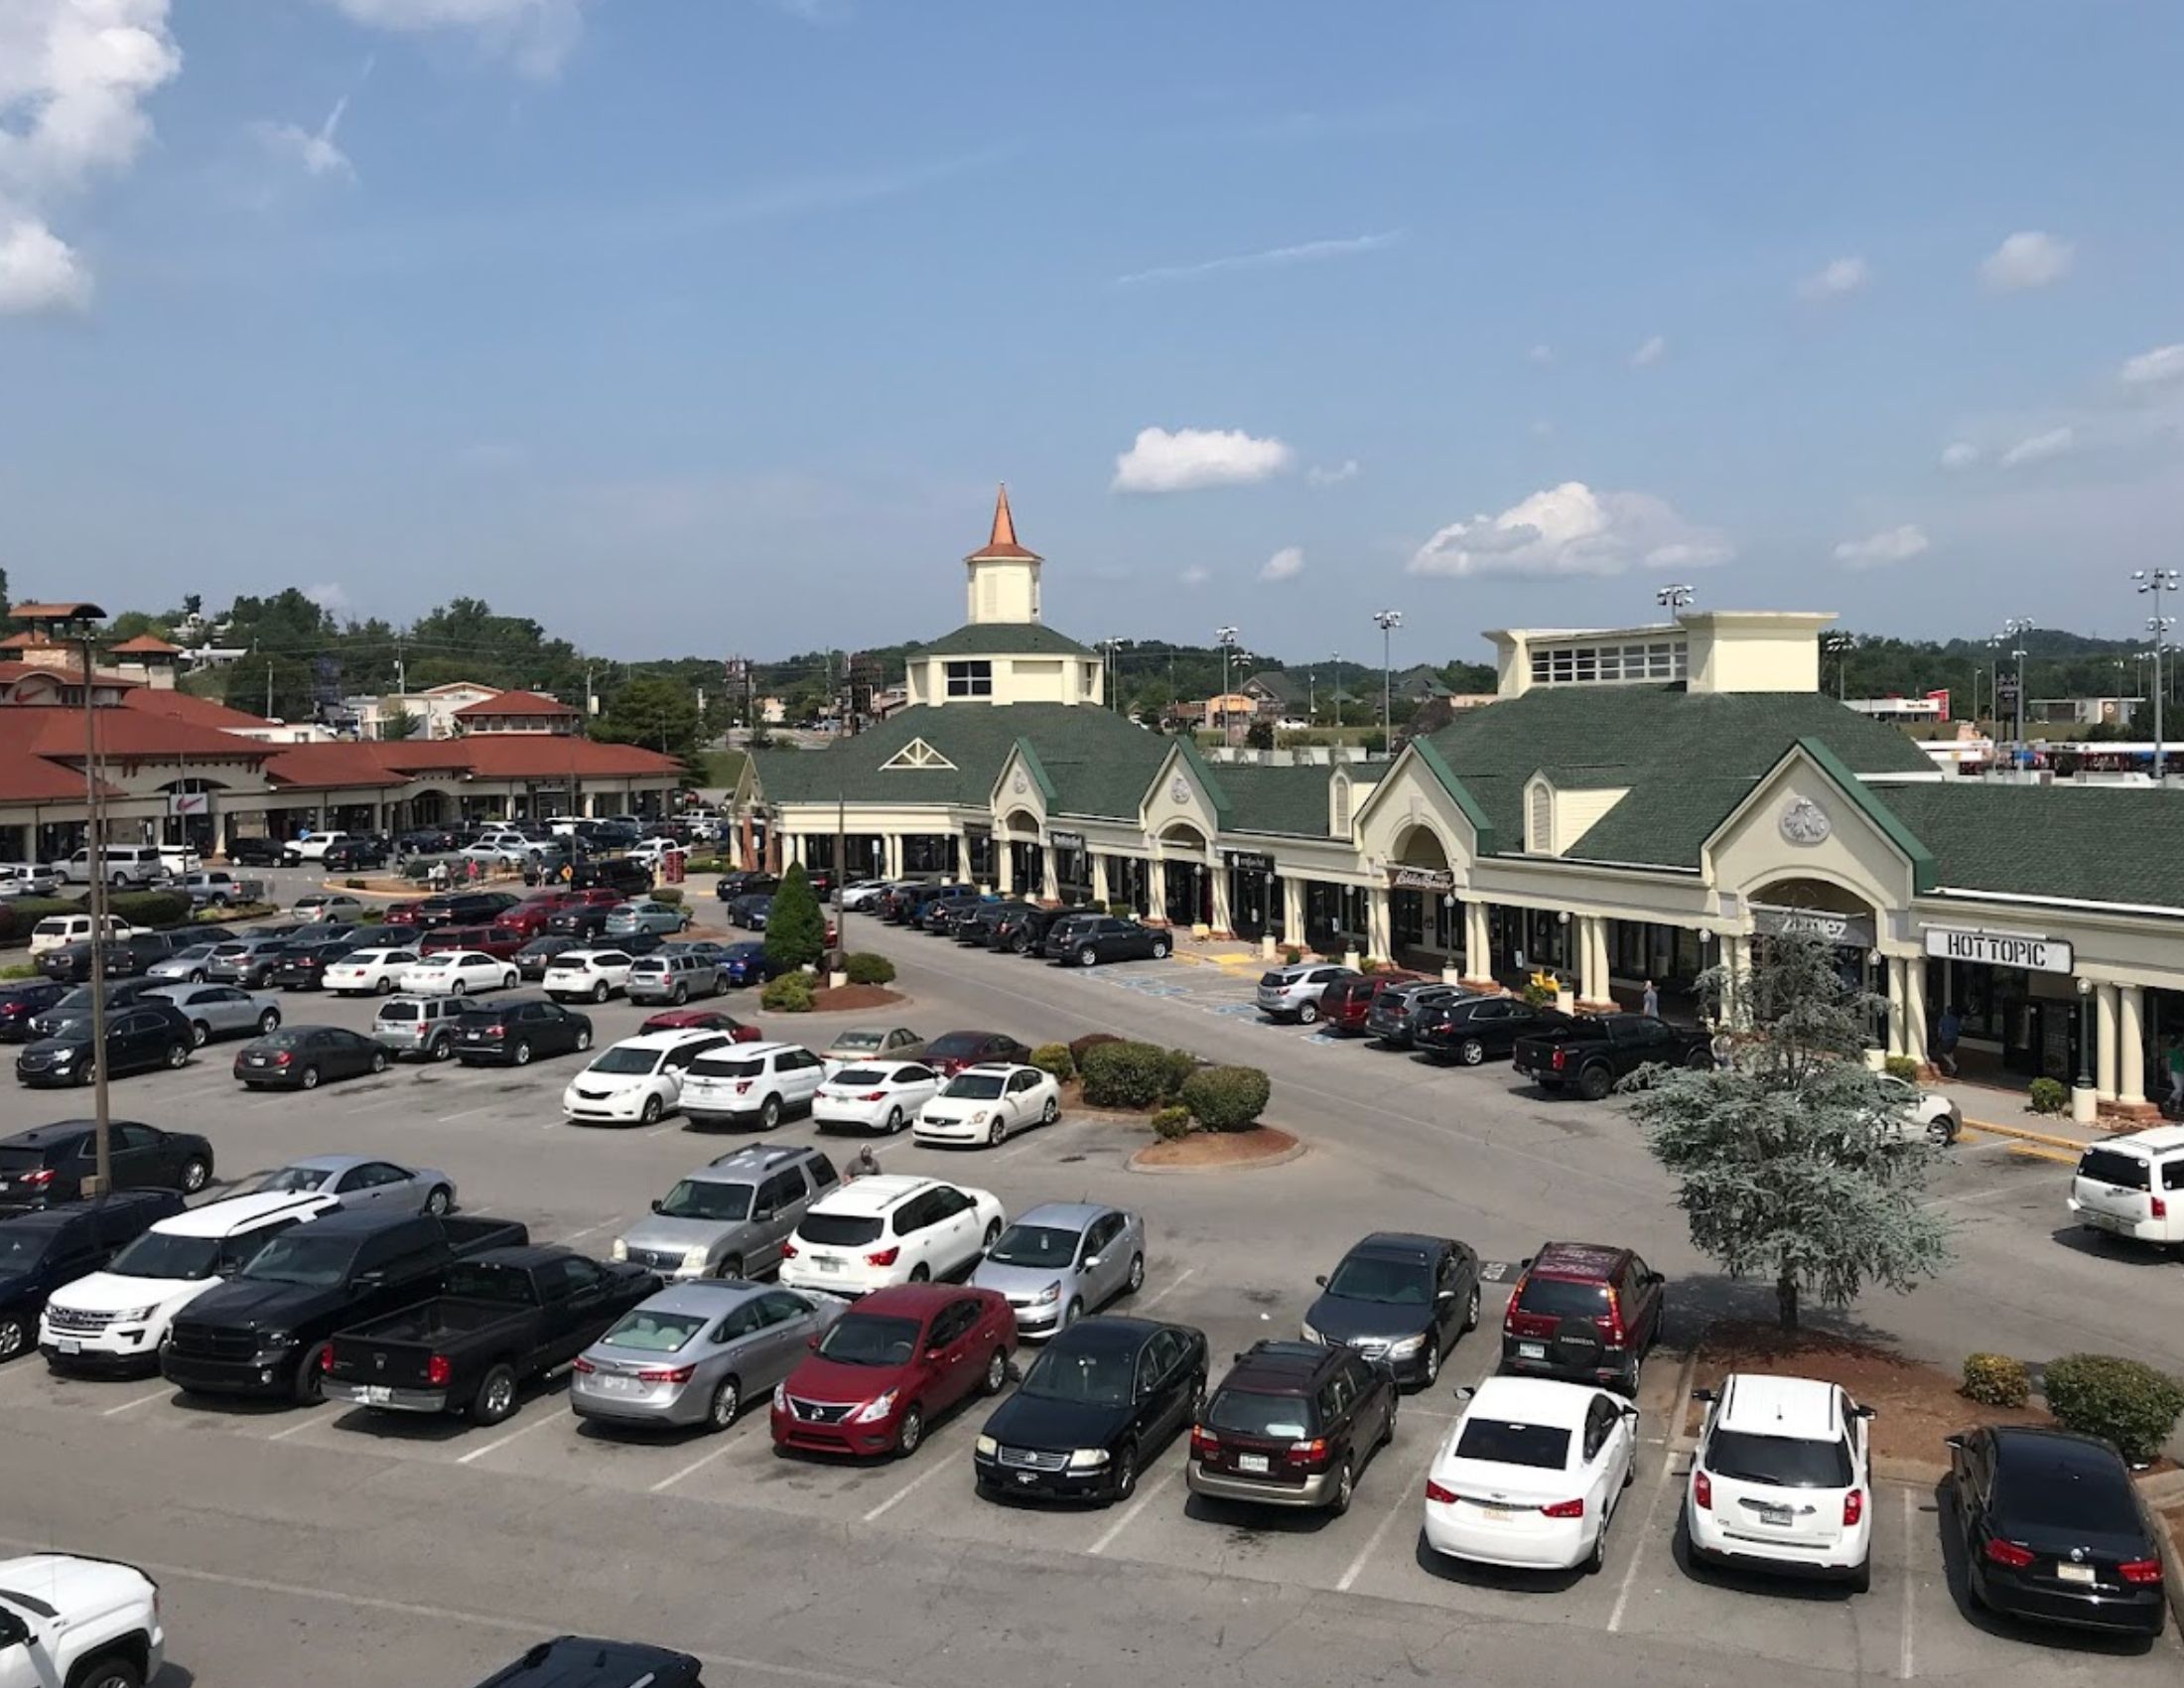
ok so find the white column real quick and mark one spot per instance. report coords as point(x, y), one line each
point(1100, 891)
point(1914, 1009)
point(2131, 1047)
point(1223, 920)
point(1731, 947)
point(1155, 887)
point(1602, 970)
point(1379, 926)
point(1589, 981)
point(1479, 965)
point(1896, 990)
point(2105, 1063)
point(1292, 911)
point(1004, 866)
point(1054, 874)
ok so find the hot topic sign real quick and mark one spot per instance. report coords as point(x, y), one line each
point(1999, 949)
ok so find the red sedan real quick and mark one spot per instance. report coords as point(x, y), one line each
point(891, 1365)
point(704, 1019)
point(951, 1051)
point(402, 913)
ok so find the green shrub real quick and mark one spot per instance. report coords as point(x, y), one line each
point(1903, 1068)
point(23, 912)
point(1291, 955)
point(2118, 1400)
point(1171, 1123)
point(1118, 1074)
point(670, 894)
point(1055, 1058)
point(2047, 1097)
point(1996, 1380)
point(791, 993)
point(796, 931)
point(150, 908)
point(865, 968)
point(352, 885)
point(372, 917)
point(1079, 1048)
point(1226, 1099)
point(1176, 1066)
point(18, 970)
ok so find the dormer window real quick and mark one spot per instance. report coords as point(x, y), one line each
point(971, 679)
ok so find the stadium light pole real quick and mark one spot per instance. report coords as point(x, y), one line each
point(2156, 582)
point(1226, 638)
point(1387, 621)
point(94, 865)
point(2015, 628)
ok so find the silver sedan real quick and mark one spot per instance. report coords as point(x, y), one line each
point(185, 966)
point(359, 1180)
point(695, 1353)
point(222, 1011)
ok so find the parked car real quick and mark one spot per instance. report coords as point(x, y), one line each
point(217, 888)
point(1584, 1312)
point(364, 1180)
point(29, 879)
point(637, 1080)
point(263, 1333)
point(937, 915)
point(43, 1250)
point(403, 920)
point(511, 1034)
point(49, 1163)
point(1085, 941)
point(728, 1218)
point(750, 964)
point(302, 966)
point(581, 1661)
point(1292, 991)
point(884, 1229)
point(647, 916)
point(1595, 1051)
point(1473, 1029)
point(952, 1052)
point(860, 897)
point(1530, 1475)
point(139, 1036)
point(458, 972)
point(2133, 1186)
point(749, 911)
point(1099, 1404)
point(347, 855)
point(367, 972)
point(249, 958)
point(757, 1082)
point(1293, 1424)
point(254, 852)
point(298, 851)
point(115, 1319)
point(1781, 1479)
point(184, 966)
point(702, 1020)
point(495, 940)
point(989, 1103)
point(1398, 1299)
point(1062, 1260)
point(881, 1095)
point(464, 908)
point(1925, 1116)
point(672, 976)
point(902, 1357)
point(421, 1025)
point(1024, 931)
point(696, 1352)
point(23, 1002)
point(536, 956)
point(1346, 1004)
point(335, 905)
point(863, 1043)
point(976, 922)
point(1395, 1012)
point(128, 958)
point(298, 1057)
point(92, 1623)
point(220, 1011)
point(527, 920)
point(57, 930)
point(590, 974)
point(742, 883)
point(74, 1006)
point(123, 866)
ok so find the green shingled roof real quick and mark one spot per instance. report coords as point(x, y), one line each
point(1287, 800)
point(2098, 844)
point(1004, 638)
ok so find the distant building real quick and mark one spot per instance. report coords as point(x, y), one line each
point(2084, 711)
point(434, 709)
point(1932, 706)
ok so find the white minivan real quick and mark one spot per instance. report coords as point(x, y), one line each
point(2133, 1186)
point(120, 864)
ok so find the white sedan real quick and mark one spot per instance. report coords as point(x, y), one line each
point(1924, 1113)
point(881, 1095)
point(458, 972)
point(1530, 1475)
point(370, 972)
point(989, 1102)
point(593, 974)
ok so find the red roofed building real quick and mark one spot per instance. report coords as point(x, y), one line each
point(518, 712)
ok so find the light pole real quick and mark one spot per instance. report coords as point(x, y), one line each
point(1387, 621)
point(94, 865)
point(2157, 581)
point(1674, 597)
point(1226, 637)
point(2013, 628)
point(1839, 645)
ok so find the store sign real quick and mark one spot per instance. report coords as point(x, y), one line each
point(1422, 879)
point(1824, 923)
point(1999, 949)
point(182, 803)
point(1251, 861)
point(1066, 840)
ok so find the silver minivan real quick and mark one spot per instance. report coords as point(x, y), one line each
point(1294, 992)
point(419, 1026)
point(672, 975)
point(730, 1218)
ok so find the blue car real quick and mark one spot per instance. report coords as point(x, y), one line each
point(747, 965)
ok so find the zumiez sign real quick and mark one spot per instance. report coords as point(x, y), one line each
point(1999, 949)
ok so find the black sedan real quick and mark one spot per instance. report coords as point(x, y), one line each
point(23, 1002)
point(1103, 1399)
point(48, 1163)
point(745, 883)
point(509, 1034)
point(2053, 1530)
point(1399, 1300)
point(139, 1036)
point(1473, 1028)
point(1085, 941)
point(302, 967)
point(300, 1057)
point(581, 921)
point(534, 957)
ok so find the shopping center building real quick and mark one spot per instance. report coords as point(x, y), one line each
point(1638, 804)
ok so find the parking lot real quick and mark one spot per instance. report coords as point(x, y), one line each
point(431, 1547)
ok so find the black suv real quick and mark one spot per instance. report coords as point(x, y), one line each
point(463, 909)
point(1398, 1298)
point(49, 1163)
point(1473, 1028)
point(575, 1661)
point(981, 921)
point(1024, 931)
point(144, 1035)
point(345, 855)
point(1085, 941)
point(42, 1251)
point(742, 881)
point(1395, 1012)
point(615, 873)
point(1586, 1311)
point(125, 957)
point(254, 852)
point(1292, 1425)
point(509, 1034)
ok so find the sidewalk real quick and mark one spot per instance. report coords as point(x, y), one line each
point(2000, 1111)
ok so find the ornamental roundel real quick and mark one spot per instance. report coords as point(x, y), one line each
point(1019, 783)
point(1805, 822)
point(1178, 790)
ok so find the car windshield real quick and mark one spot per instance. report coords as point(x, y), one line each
point(281, 1040)
point(1500, 1443)
point(653, 1333)
point(857, 1040)
point(1780, 1461)
point(622, 1059)
point(20, 1250)
point(976, 1086)
point(312, 1262)
point(295, 1180)
point(866, 1338)
point(156, 1255)
point(841, 1230)
point(1035, 1245)
point(701, 1199)
point(1085, 1379)
point(1562, 1298)
point(1391, 1283)
point(1245, 1412)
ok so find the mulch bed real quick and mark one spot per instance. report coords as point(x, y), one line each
point(851, 998)
point(1217, 1148)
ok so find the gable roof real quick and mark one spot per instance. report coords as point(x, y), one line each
point(334, 767)
point(124, 735)
point(1288, 799)
point(2093, 844)
point(516, 703)
point(186, 706)
point(1004, 638)
point(147, 644)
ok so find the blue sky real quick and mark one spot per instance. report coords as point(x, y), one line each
point(708, 325)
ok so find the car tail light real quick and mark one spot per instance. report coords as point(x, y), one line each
point(1203, 1444)
point(884, 1257)
point(282, 1059)
point(661, 1374)
point(438, 1371)
point(873, 1097)
point(1564, 1509)
point(789, 1249)
point(37, 1180)
point(1311, 1455)
point(1435, 1493)
point(2008, 1553)
point(2160, 1209)
point(497, 1030)
point(1509, 1312)
point(325, 1358)
point(1559, 1059)
point(2142, 1572)
point(1701, 1491)
point(742, 1085)
point(1614, 1322)
point(1853, 1507)
point(580, 1364)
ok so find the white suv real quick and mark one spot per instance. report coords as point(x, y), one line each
point(117, 1319)
point(751, 1081)
point(880, 1230)
point(1781, 1480)
point(638, 1079)
point(312, 849)
point(88, 1622)
point(2134, 1186)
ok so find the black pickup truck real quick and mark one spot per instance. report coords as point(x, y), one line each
point(509, 1315)
point(1593, 1051)
point(265, 1332)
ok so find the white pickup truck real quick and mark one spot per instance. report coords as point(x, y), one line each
point(86, 1623)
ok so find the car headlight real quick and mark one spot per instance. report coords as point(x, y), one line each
point(780, 1396)
point(275, 1340)
point(872, 1411)
point(696, 1260)
point(621, 1250)
point(1088, 1458)
point(976, 1120)
point(66, 1052)
point(987, 1446)
point(1310, 1332)
point(1407, 1347)
point(1048, 1296)
point(135, 1314)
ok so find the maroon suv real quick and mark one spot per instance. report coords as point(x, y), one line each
point(1584, 1312)
point(1348, 1003)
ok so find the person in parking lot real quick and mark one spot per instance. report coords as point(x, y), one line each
point(866, 1164)
point(1946, 1032)
point(1649, 1001)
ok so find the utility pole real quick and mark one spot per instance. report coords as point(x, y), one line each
point(1387, 621)
point(2156, 582)
point(95, 865)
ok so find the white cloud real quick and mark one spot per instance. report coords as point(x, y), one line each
point(1162, 461)
point(329, 595)
point(2040, 448)
point(1275, 257)
point(536, 36)
point(1836, 280)
point(1649, 353)
point(2150, 368)
point(1571, 530)
point(315, 150)
point(1959, 454)
point(1320, 475)
point(1196, 575)
point(1542, 354)
point(2027, 259)
point(1285, 564)
point(39, 272)
point(1891, 545)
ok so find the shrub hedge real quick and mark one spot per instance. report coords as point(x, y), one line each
point(1172, 1123)
point(1226, 1099)
point(1056, 1059)
point(2047, 1097)
point(2119, 1400)
point(1903, 1068)
point(865, 968)
point(150, 908)
point(670, 894)
point(1118, 1074)
point(1996, 1380)
point(791, 993)
point(1079, 1048)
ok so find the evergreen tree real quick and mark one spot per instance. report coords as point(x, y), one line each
point(796, 931)
point(1793, 1160)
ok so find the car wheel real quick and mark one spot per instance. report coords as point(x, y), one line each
point(438, 1201)
point(599, 990)
point(14, 1335)
point(1471, 1052)
point(1345, 1489)
point(305, 1386)
point(1088, 956)
point(769, 1113)
point(1160, 949)
point(310, 1078)
point(1430, 1365)
point(524, 1054)
point(910, 1431)
point(584, 1040)
point(269, 1022)
point(993, 1235)
point(196, 1172)
point(921, 1273)
point(1595, 1083)
point(1942, 1132)
point(1308, 1015)
point(385, 986)
point(495, 1398)
point(651, 1113)
point(1136, 1275)
point(997, 1373)
point(199, 1033)
point(1126, 1477)
point(728, 1401)
point(1072, 1312)
point(196, 975)
point(1700, 1058)
point(455, 987)
point(1471, 1310)
point(511, 979)
point(108, 1672)
point(996, 1132)
point(731, 1267)
point(177, 1055)
point(1051, 1112)
point(895, 1122)
point(1597, 1560)
point(1019, 946)
point(679, 995)
point(441, 1049)
point(378, 1062)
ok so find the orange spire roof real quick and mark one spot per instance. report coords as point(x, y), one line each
point(1002, 543)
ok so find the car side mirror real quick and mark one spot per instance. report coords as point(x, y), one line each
point(1445, 1294)
point(1706, 1395)
point(1656, 1279)
point(1865, 1412)
point(762, 1213)
point(1090, 1261)
point(370, 1280)
point(1957, 1442)
point(937, 1355)
point(1525, 1264)
point(1464, 1391)
point(811, 1343)
point(1630, 1411)
point(658, 1204)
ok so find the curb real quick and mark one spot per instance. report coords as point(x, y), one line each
point(1294, 1152)
point(2047, 1139)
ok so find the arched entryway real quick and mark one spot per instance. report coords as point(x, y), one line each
point(1425, 922)
point(1016, 837)
point(1842, 917)
point(1187, 899)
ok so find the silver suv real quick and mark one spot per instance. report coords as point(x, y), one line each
point(672, 975)
point(730, 1218)
point(422, 1026)
point(1294, 992)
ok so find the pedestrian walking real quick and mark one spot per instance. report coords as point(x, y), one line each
point(1947, 1031)
point(866, 1164)
point(1649, 1000)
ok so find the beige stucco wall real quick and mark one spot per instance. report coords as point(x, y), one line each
point(1733, 654)
point(1751, 852)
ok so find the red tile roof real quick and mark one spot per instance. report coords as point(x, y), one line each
point(524, 756)
point(66, 674)
point(78, 611)
point(335, 767)
point(126, 735)
point(187, 706)
point(1001, 545)
point(516, 703)
point(28, 778)
point(147, 643)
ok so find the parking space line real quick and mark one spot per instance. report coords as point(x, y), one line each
point(1169, 1287)
point(1645, 1534)
point(1380, 1530)
point(154, 1395)
point(727, 1445)
point(1905, 1662)
point(465, 1113)
point(542, 1422)
point(1106, 1537)
point(908, 1489)
point(308, 1419)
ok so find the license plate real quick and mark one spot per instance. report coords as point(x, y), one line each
point(68, 1345)
point(1775, 1515)
point(1251, 1465)
point(1532, 1351)
point(826, 1265)
point(614, 1385)
point(2105, 1222)
point(378, 1394)
point(1497, 1515)
point(2074, 1573)
point(257, 1061)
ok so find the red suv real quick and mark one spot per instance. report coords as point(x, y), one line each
point(1347, 1002)
point(898, 1359)
point(529, 917)
point(1584, 1312)
point(495, 940)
